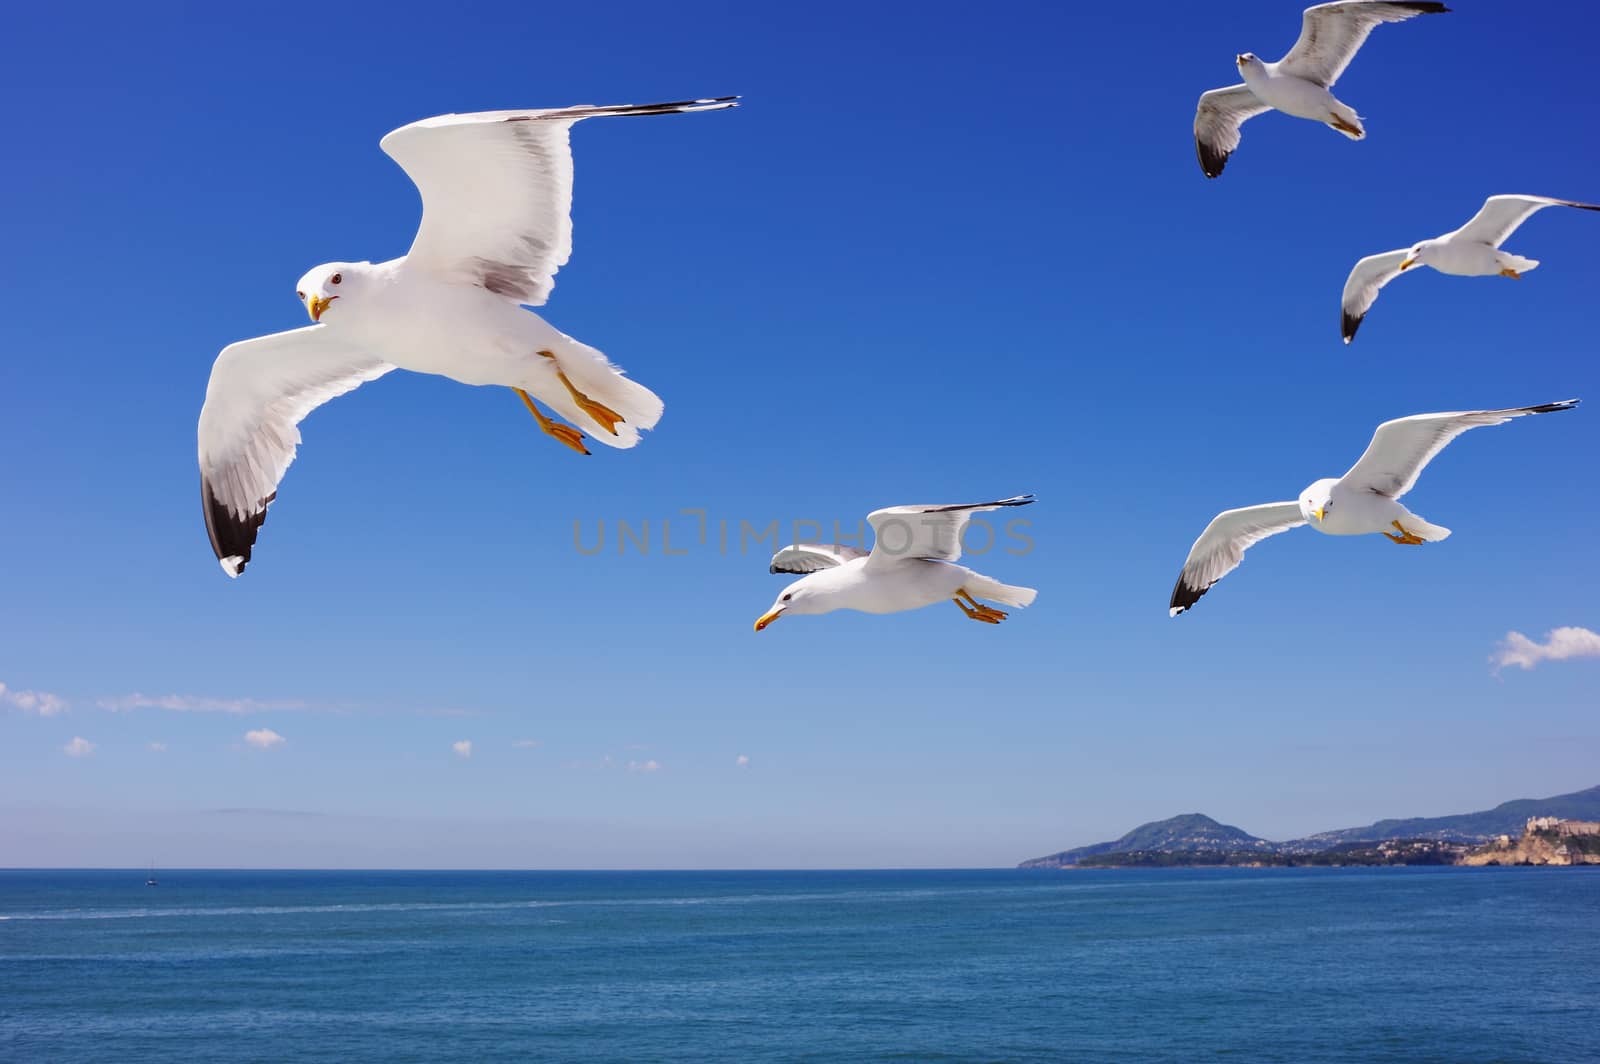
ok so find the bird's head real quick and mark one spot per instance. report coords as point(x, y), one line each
point(1416, 255)
point(802, 596)
point(324, 284)
point(1246, 61)
point(1316, 502)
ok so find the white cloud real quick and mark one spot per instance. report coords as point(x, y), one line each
point(525, 744)
point(1560, 644)
point(264, 738)
point(41, 702)
point(193, 704)
point(156, 747)
point(644, 766)
point(78, 747)
point(742, 761)
point(463, 748)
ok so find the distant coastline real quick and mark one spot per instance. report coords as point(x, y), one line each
point(1562, 830)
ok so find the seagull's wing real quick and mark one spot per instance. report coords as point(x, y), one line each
point(931, 532)
point(1401, 448)
point(497, 190)
point(1500, 216)
point(1221, 547)
point(1361, 288)
point(259, 391)
point(1331, 34)
point(809, 557)
point(1216, 124)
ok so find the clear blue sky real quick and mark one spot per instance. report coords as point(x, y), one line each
point(940, 254)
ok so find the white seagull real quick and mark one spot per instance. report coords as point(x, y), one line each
point(1366, 499)
point(1471, 251)
point(912, 564)
point(496, 199)
point(1299, 83)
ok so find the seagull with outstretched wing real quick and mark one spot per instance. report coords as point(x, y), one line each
point(1471, 251)
point(1365, 500)
point(912, 564)
point(496, 226)
point(1301, 83)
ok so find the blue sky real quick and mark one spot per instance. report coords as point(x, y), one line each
point(940, 254)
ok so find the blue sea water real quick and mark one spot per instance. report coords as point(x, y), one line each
point(1180, 965)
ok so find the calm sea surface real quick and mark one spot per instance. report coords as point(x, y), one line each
point(1180, 965)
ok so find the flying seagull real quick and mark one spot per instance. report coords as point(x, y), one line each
point(912, 564)
point(1366, 499)
point(1299, 83)
point(1471, 251)
point(496, 195)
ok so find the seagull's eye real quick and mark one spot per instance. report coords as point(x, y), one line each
point(301, 295)
point(336, 278)
point(786, 598)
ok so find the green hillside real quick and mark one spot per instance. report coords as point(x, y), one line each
point(1189, 832)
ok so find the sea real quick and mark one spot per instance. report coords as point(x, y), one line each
point(1302, 965)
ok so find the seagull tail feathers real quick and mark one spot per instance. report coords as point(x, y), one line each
point(591, 373)
point(1349, 124)
point(1431, 533)
point(983, 587)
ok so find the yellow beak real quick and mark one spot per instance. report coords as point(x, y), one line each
point(316, 305)
point(767, 618)
point(1406, 265)
point(1317, 513)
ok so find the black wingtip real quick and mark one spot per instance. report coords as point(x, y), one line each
point(1015, 500)
point(232, 537)
point(1211, 159)
point(1552, 408)
point(710, 103)
point(1348, 324)
point(1183, 596)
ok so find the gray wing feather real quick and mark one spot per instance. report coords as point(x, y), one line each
point(1402, 448)
point(1500, 216)
point(1332, 34)
point(1217, 119)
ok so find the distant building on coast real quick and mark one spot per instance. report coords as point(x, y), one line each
point(1563, 827)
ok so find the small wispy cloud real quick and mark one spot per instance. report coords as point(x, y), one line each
point(742, 761)
point(78, 747)
point(462, 747)
point(1559, 645)
point(156, 747)
point(651, 765)
point(194, 704)
point(41, 702)
point(264, 738)
point(525, 744)
point(176, 703)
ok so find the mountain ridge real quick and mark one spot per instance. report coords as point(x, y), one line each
point(1196, 832)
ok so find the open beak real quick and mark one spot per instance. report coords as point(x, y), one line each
point(1317, 513)
point(316, 305)
point(1406, 265)
point(767, 618)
